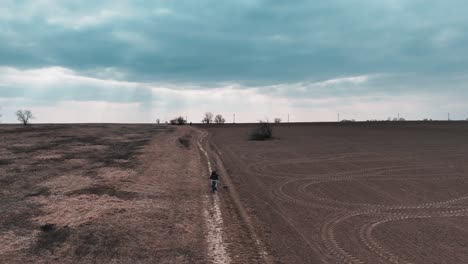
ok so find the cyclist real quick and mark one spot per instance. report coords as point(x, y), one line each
point(214, 181)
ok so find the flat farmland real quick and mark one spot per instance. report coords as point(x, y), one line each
point(101, 193)
point(354, 192)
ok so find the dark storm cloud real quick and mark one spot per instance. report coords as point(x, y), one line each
point(244, 41)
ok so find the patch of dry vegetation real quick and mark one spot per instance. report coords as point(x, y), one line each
point(56, 181)
point(185, 140)
point(262, 131)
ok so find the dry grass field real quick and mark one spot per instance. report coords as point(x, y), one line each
point(354, 192)
point(100, 194)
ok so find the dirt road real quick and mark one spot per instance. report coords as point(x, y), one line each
point(244, 243)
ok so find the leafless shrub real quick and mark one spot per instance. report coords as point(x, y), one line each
point(263, 131)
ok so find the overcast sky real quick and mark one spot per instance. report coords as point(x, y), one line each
point(134, 61)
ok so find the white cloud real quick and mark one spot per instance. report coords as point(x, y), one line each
point(345, 80)
point(249, 103)
point(91, 111)
point(320, 87)
point(192, 101)
point(52, 76)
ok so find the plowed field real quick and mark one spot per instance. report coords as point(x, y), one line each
point(354, 193)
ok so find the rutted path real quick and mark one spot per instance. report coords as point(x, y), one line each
point(214, 220)
point(232, 237)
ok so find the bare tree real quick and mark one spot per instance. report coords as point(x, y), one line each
point(277, 120)
point(219, 119)
point(158, 121)
point(208, 118)
point(24, 116)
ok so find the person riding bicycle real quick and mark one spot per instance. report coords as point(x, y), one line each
point(214, 181)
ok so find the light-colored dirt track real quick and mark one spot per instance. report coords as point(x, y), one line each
point(323, 191)
point(214, 219)
point(245, 244)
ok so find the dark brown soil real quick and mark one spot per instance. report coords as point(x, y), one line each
point(354, 193)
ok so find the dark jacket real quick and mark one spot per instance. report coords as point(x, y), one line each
point(214, 176)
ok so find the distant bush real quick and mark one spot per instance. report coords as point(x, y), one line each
point(277, 120)
point(219, 119)
point(178, 121)
point(263, 131)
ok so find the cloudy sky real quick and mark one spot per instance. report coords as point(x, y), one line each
point(134, 61)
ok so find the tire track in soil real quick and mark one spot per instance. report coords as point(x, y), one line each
point(365, 234)
point(277, 209)
point(373, 245)
point(331, 243)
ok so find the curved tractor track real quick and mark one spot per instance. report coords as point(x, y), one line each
point(338, 202)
